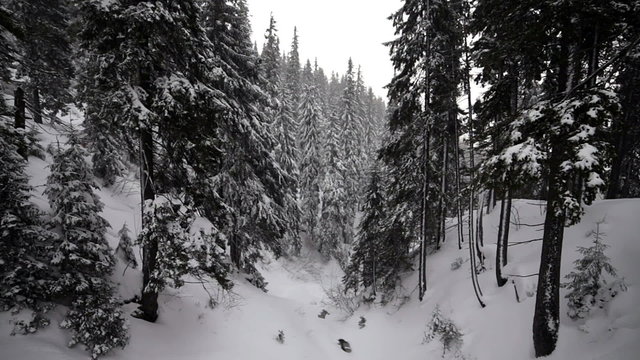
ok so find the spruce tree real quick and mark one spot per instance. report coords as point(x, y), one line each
point(82, 255)
point(25, 243)
point(311, 168)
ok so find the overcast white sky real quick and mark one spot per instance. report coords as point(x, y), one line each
point(333, 31)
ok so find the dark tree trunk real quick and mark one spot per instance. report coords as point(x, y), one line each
point(546, 316)
point(149, 299)
point(20, 117)
point(234, 247)
point(442, 208)
point(37, 110)
point(503, 237)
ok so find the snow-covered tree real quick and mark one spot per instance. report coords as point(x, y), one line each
point(311, 121)
point(25, 275)
point(82, 256)
point(588, 286)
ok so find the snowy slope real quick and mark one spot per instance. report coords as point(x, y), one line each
point(245, 323)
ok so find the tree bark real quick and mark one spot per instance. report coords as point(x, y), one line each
point(547, 308)
point(149, 299)
point(19, 117)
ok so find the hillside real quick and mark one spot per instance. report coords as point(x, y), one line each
point(245, 322)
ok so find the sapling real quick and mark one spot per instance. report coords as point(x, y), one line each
point(588, 285)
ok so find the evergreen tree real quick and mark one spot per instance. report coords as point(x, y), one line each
point(588, 286)
point(311, 163)
point(378, 258)
point(25, 275)
point(82, 255)
point(46, 53)
point(282, 116)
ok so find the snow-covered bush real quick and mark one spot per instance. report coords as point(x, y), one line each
point(588, 285)
point(446, 331)
point(124, 250)
point(98, 323)
point(168, 222)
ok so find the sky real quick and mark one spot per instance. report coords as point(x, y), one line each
point(333, 31)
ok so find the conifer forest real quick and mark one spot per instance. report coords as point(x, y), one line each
point(177, 183)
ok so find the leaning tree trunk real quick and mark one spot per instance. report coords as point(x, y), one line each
point(149, 299)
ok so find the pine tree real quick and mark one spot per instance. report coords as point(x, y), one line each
point(171, 92)
point(380, 254)
point(82, 255)
point(252, 204)
point(350, 133)
point(588, 286)
point(25, 274)
point(281, 81)
point(311, 162)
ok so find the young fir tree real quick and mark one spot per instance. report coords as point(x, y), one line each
point(587, 285)
point(82, 255)
point(311, 162)
point(25, 274)
point(124, 251)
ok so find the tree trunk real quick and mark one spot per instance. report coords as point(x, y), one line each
point(503, 237)
point(37, 110)
point(546, 316)
point(442, 209)
point(20, 117)
point(149, 300)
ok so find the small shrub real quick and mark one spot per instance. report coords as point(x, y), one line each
point(343, 299)
point(445, 331)
point(280, 337)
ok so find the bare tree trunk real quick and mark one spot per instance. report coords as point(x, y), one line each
point(442, 208)
point(422, 273)
point(472, 246)
point(502, 243)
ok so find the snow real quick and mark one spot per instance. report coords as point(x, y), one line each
point(246, 321)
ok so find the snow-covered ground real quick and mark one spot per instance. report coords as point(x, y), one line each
point(246, 322)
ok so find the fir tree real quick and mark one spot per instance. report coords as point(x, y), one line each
point(25, 273)
point(588, 286)
point(378, 258)
point(82, 255)
point(311, 162)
